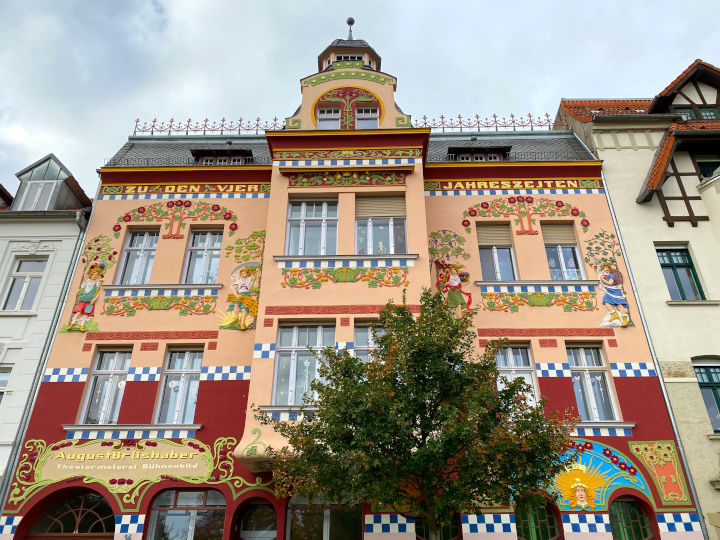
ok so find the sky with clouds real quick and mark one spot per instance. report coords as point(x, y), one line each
point(74, 75)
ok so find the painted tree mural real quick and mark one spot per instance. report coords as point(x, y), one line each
point(176, 214)
point(524, 210)
point(603, 247)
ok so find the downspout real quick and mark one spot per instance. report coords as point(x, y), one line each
point(653, 354)
point(82, 222)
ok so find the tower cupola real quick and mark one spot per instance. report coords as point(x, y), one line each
point(350, 52)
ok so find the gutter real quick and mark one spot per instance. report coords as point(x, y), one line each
point(82, 219)
point(656, 363)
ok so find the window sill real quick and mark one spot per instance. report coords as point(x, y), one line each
point(17, 313)
point(345, 261)
point(131, 431)
point(293, 258)
point(604, 429)
point(175, 289)
point(284, 412)
point(693, 302)
point(714, 437)
point(544, 285)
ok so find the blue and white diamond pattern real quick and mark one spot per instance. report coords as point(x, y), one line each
point(144, 374)
point(601, 432)
point(157, 196)
point(488, 523)
point(8, 524)
point(388, 523)
point(632, 369)
point(129, 523)
point(452, 192)
point(170, 291)
point(344, 162)
point(552, 369)
point(586, 523)
point(679, 522)
point(349, 345)
point(346, 263)
point(264, 350)
point(65, 375)
point(225, 373)
point(89, 434)
point(537, 288)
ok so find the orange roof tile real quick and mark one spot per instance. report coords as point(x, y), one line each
point(684, 74)
point(585, 109)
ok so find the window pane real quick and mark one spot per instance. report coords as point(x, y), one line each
point(366, 123)
point(187, 415)
point(132, 263)
point(98, 394)
point(581, 397)
point(30, 292)
point(117, 383)
point(295, 209)
point(170, 525)
point(258, 517)
point(190, 498)
point(554, 262)
point(209, 525)
point(31, 266)
point(671, 283)
point(505, 264)
point(331, 238)
point(285, 336)
point(501, 358)
point(165, 500)
point(708, 395)
point(304, 374)
point(212, 269)
point(306, 524)
point(362, 237)
point(44, 198)
point(30, 195)
point(572, 267)
point(171, 395)
point(282, 383)
point(602, 396)
point(520, 357)
point(381, 236)
point(195, 268)
point(686, 282)
point(215, 498)
point(53, 171)
point(293, 247)
point(362, 336)
point(14, 294)
point(313, 236)
point(331, 209)
point(575, 357)
point(328, 337)
point(592, 356)
point(487, 263)
point(346, 523)
point(137, 240)
point(399, 235)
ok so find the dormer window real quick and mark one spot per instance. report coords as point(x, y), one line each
point(208, 161)
point(236, 160)
point(328, 118)
point(221, 161)
point(37, 195)
point(348, 57)
point(366, 118)
point(478, 154)
point(493, 157)
point(709, 113)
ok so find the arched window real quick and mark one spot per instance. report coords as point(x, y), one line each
point(86, 512)
point(318, 521)
point(628, 520)
point(536, 521)
point(187, 514)
point(256, 521)
point(450, 531)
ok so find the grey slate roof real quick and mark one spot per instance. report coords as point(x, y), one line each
point(166, 151)
point(175, 150)
point(349, 43)
point(524, 146)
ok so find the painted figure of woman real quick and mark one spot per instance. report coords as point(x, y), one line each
point(613, 297)
point(241, 301)
point(449, 283)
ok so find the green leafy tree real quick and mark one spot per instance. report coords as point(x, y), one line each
point(422, 427)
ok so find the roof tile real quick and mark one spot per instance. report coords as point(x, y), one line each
point(584, 109)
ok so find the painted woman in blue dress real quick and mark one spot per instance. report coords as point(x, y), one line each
point(613, 297)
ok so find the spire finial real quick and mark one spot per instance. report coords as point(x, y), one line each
point(350, 21)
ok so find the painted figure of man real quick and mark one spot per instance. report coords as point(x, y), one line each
point(86, 297)
point(449, 283)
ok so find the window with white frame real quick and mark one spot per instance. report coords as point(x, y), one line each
point(366, 336)
point(295, 366)
point(562, 253)
point(187, 514)
point(107, 384)
point(37, 195)
point(181, 378)
point(236, 160)
point(203, 257)
point(348, 57)
point(589, 378)
point(380, 226)
point(312, 228)
point(496, 253)
point(515, 363)
point(221, 161)
point(4, 380)
point(23, 284)
point(208, 161)
point(321, 521)
point(366, 118)
point(138, 257)
point(328, 118)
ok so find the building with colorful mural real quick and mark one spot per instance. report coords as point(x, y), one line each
point(41, 231)
point(214, 260)
point(661, 163)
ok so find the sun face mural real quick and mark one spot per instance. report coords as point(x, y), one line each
point(579, 485)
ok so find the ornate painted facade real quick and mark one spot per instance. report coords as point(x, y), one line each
point(204, 308)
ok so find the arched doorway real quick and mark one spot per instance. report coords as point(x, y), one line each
point(81, 514)
point(537, 520)
point(256, 520)
point(629, 520)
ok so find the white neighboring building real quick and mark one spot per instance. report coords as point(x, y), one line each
point(661, 166)
point(41, 233)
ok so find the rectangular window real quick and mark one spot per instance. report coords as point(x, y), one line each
point(312, 228)
point(107, 384)
point(208, 161)
point(237, 160)
point(561, 251)
point(328, 119)
point(493, 157)
point(366, 118)
point(686, 113)
point(707, 164)
point(708, 113)
point(709, 380)
point(365, 342)
point(203, 257)
point(680, 276)
point(295, 368)
point(181, 379)
point(4, 379)
point(37, 195)
point(221, 161)
point(496, 254)
point(380, 225)
point(23, 284)
point(138, 257)
point(589, 378)
point(513, 363)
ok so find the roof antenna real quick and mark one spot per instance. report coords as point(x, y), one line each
point(350, 21)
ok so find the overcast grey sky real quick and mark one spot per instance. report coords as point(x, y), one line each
point(74, 75)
